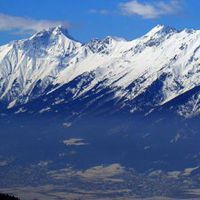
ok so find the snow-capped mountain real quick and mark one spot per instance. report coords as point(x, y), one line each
point(141, 74)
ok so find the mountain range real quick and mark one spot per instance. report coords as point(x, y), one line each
point(51, 72)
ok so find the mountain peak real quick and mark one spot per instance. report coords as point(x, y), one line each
point(53, 31)
point(58, 30)
point(109, 39)
point(161, 29)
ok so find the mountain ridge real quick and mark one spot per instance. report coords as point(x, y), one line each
point(162, 64)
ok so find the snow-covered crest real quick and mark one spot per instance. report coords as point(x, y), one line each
point(52, 58)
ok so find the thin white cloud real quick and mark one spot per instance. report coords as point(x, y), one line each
point(151, 10)
point(23, 24)
point(102, 11)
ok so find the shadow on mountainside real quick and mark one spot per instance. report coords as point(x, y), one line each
point(8, 197)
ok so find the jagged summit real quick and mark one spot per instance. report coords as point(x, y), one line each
point(53, 41)
point(161, 29)
point(108, 40)
point(113, 38)
point(58, 31)
point(63, 31)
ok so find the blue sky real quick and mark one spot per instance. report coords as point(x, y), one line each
point(87, 19)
